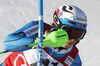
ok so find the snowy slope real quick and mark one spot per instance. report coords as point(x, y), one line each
point(16, 13)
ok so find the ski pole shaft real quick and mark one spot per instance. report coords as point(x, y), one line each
point(22, 47)
point(40, 43)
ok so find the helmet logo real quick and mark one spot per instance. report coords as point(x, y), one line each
point(73, 17)
point(78, 18)
point(79, 25)
point(81, 19)
point(64, 9)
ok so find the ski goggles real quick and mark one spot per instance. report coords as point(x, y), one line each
point(73, 33)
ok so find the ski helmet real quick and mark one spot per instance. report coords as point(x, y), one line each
point(71, 16)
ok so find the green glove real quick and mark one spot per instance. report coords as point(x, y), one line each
point(55, 39)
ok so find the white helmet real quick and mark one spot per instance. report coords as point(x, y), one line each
point(70, 15)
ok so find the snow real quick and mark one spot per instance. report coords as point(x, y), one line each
point(16, 13)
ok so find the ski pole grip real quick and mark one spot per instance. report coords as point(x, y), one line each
point(56, 39)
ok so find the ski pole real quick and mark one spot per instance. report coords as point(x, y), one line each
point(40, 35)
point(22, 47)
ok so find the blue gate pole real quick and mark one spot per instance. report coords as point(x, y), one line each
point(40, 33)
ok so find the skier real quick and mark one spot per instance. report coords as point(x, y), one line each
point(69, 18)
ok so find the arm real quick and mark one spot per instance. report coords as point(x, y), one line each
point(15, 40)
point(77, 61)
point(23, 36)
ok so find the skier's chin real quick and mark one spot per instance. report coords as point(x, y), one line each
point(69, 44)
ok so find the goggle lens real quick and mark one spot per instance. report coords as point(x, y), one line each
point(74, 33)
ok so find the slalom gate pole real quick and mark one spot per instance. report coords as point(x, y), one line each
point(40, 33)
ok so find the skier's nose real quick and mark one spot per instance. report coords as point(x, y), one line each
point(72, 39)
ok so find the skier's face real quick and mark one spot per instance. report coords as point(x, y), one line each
point(74, 36)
